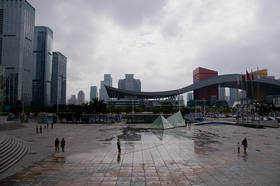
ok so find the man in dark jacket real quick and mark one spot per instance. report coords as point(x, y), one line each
point(56, 143)
point(62, 144)
point(245, 144)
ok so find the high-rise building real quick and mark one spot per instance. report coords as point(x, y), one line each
point(93, 93)
point(189, 96)
point(207, 92)
point(181, 101)
point(102, 91)
point(2, 86)
point(72, 100)
point(233, 96)
point(42, 74)
point(129, 83)
point(59, 74)
point(222, 93)
point(17, 20)
point(81, 97)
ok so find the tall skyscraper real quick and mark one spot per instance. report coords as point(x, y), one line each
point(59, 74)
point(93, 93)
point(17, 20)
point(233, 93)
point(42, 73)
point(72, 100)
point(102, 91)
point(81, 97)
point(207, 92)
point(189, 96)
point(129, 83)
point(222, 93)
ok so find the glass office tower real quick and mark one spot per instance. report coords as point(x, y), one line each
point(17, 20)
point(42, 66)
point(58, 88)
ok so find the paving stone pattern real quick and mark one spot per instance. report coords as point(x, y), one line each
point(200, 155)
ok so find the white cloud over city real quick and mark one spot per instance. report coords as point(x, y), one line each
point(161, 41)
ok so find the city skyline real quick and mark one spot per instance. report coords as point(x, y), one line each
point(156, 44)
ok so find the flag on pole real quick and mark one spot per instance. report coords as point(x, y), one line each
point(252, 74)
point(243, 77)
point(248, 76)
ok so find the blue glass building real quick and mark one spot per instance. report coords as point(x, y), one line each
point(58, 88)
point(42, 71)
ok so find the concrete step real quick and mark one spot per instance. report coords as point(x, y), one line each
point(12, 150)
point(5, 143)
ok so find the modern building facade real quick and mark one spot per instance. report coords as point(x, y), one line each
point(2, 86)
point(205, 93)
point(129, 83)
point(222, 93)
point(93, 93)
point(81, 97)
point(42, 71)
point(72, 100)
point(17, 19)
point(189, 96)
point(59, 77)
point(233, 96)
point(102, 91)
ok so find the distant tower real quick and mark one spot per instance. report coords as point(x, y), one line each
point(102, 91)
point(93, 93)
point(222, 93)
point(129, 83)
point(58, 88)
point(234, 96)
point(81, 97)
point(42, 73)
point(17, 20)
point(205, 93)
point(72, 100)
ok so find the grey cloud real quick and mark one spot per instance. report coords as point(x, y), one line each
point(128, 13)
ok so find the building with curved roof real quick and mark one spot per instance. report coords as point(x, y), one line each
point(258, 88)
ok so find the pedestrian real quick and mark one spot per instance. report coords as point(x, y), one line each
point(56, 144)
point(52, 125)
point(62, 144)
point(119, 145)
point(238, 147)
point(37, 129)
point(40, 129)
point(245, 144)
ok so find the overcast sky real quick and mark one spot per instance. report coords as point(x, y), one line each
point(161, 41)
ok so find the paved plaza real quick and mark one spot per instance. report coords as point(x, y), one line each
point(199, 155)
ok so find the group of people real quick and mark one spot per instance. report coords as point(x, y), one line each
point(62, 144)
point(245, 145)
point(39, 129)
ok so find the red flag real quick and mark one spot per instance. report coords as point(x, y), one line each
point(243, 77)
point(252, 75)
point(248, 76)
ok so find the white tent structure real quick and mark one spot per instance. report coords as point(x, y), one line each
point(161, 123)
point(177, 120)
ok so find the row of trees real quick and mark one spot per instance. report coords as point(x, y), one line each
point(98, 106)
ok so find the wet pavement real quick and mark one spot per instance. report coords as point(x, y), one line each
point(200, 155)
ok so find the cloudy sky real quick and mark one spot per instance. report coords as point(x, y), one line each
point(161, 41)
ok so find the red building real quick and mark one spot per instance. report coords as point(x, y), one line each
point(207, 92)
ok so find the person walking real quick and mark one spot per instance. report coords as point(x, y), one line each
point(62, 144)
point(41, 129)
point(238, 147)
point(245, 144)
point(37, 130)
point(119, 145)
point(56, 143)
